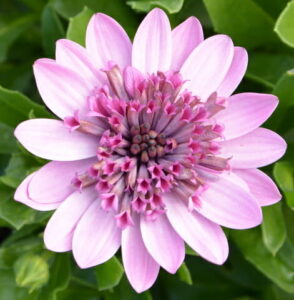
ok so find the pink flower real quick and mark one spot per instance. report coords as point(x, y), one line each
point(161, 151)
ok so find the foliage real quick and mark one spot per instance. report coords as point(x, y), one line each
point(261, 262)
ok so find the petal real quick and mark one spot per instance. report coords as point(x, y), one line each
point(202, 235)
point(207, 65)
point(50, 139)
point(185, 37)
point(62, 90)
point(245, 112)
point(76, 58)
point(235, 73)
point(141, 269)
point(132, 79)
point(93, 247)
point(256, 149)
point(22, 195)
point(107, 41)
point(152, 47)
point(60, 228)
point(163, 243)
point(260, 185)
point(52, 183)
point(229, 205)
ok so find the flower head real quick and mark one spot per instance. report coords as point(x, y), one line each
point(151, 150)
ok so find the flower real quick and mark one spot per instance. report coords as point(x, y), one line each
point(151, 150)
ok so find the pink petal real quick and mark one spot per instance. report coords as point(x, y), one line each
point(132, 80)
point(141, 269)
point(50, 139)
point(229, 205)
point(202, 235)
point(96, 238)
point(256, 149)
point(260, 185)
point(107, 41)
point(60, 228)
point(207, 65)
point(52, 183)
point(76, 58)
point(62, 90)
point(245, 112)
point(235, 73)
point(185, 37)
point(152, 47)
point(22, 195)
point(163, 243)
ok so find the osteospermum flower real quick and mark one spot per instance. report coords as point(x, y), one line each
point(151, 150)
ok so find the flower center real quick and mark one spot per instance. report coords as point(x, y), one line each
point(153, 137)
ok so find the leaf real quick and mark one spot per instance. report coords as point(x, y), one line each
point(10, 252)
point(13, 212)
point(109, 274)
point(76, 30)
point(190, 251)
point(272, 7)
point(126, 292)
point(10, 32)
point(114, 8)
point(79, 291)
point(243, 20)
point(31, 271)
point(18, 168)
point(251, 245)
point(171, 6)
point(273, 228)
point(7, 140)
point(267, 68)
point(284, 90)
point(52, 29)
point(184, 274)
point(60, 272)
point(8, 288)
point(285, 25)
point(284, 175)
point(15, 107)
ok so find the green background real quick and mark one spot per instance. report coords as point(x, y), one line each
point(261, 262)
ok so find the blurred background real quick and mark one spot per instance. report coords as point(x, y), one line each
point(261, 262)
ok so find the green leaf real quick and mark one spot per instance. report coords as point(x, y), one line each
point(243, 20)
point(18, 168)
point(77, 26)
point(267, 68)
point(31, 271)
point(11, 251)
point(60, 272)
point(79, 291)
point(184, 274)
point(15, 107)
point(7, 140)
point(109, 274)
point(284, 90)
point(11, 31)
point(285, 25)
point(171, 6)
point(284, 175)
point(126, 292)
point(273, 228)
point(190, 251)
point(52, 29)
point(8, 288)
point(251, 245)
point(12, 211)
point(115, 8)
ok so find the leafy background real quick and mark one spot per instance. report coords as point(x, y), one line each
point(261, 262)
